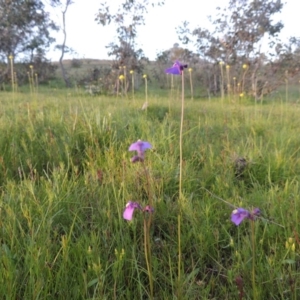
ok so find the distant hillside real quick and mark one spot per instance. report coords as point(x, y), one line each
point(79, 67)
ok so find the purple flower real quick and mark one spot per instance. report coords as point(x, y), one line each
point(239, 214)
point(176, 69)
point(139, 147)
point(148, 209)
point(131, 206)
point(129, 210)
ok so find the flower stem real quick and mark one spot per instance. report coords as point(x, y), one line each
point(146, 93)
point(222, 82)
point(253, 259)
point(149, 194)
point(180, 188)
point(180, 137)
point(12, 73)
point(147, 250)
point(191, 85)
point(147, 225)
point(132, 83)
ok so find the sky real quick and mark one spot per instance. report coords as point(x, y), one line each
point(88, 39)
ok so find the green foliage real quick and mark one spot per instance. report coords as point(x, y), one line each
point(65, 177)
point(24, 27)
point(239, 29)
point(127, 18)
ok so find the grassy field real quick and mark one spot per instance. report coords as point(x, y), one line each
point(66, 176)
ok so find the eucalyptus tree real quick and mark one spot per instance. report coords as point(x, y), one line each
point(127, 17)
point(25, 28)
point(244, 34)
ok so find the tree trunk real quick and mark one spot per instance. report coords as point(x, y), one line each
point(63, 46)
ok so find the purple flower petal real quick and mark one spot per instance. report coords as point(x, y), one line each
point(140, 147)
point(129, 210)
point(238, 215)
point(176, 69)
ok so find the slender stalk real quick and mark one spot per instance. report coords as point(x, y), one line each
point(12, 72)
point(147, 225)
point(172, 92)
point(253, 259)
point(191, 83)
point(286, 87)
point(228, 81)
point(180, 136)
point(32, 77)
point(16, 81)
point(132, 82)
point(121, 79)
point(234, 88)
point(30, 83)
point(145, 106)
point(246, 68)
point(222, 81)
point(36, 82)
point(180, 186)
point(147, 250)
point(149, 193)
point(125, 81)
point(146, 89)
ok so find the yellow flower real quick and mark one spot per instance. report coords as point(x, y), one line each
point(31, 66)
point(227, 66)
point(10, 57)
point(221, 63)
point(131, 71)
point(241, 94)
point(245, 66)
point(144, 76)
point(121, 77)
point(290, 244)
point(190, 70)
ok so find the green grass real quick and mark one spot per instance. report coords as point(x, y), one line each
point(66, 176)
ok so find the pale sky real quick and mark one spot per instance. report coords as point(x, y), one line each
point(89, 39)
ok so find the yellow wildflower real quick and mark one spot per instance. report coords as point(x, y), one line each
point(290, 244)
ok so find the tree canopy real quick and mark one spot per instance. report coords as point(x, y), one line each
point(25, 27)
point(129, 15)
point(242, 31)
